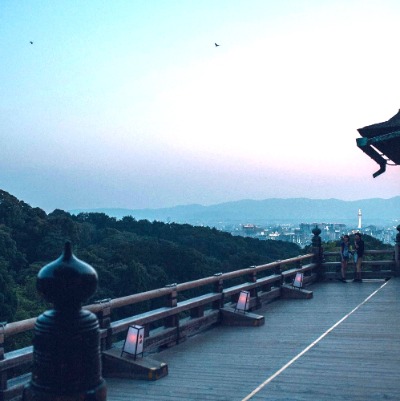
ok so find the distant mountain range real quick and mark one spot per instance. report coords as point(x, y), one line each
point(375, 211)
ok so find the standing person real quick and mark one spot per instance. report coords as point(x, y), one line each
point(345, 254)
point(359, 251)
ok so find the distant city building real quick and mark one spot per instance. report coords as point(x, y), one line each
point(302, 234)
point(359, 219)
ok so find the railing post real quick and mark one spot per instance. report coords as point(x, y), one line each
point(278, 271)
point(172, 302)
point(104, 317)
point(254, 291)
point(253, 275)
point(397, 252)
point(219, 288)
point(66, 345)
point(317, 251)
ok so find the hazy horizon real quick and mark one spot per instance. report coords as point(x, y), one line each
point(238, 201)
point(376, 211)
point(129, 104)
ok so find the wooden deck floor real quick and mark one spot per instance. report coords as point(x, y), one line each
point(339, 345)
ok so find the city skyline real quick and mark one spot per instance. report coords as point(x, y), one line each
point(131, 104)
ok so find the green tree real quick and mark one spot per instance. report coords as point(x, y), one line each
point(8, 295)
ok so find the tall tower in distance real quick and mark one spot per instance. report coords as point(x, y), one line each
point(359, 219)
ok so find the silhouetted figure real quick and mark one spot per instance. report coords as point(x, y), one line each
point(216, 44)
point(359, 255)
point(345, 252)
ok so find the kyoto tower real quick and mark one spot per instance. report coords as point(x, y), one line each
point(359, 219)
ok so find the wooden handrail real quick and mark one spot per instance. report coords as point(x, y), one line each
point(148, 295)
point(21, 326)
point(25, 325)
point(28, 324)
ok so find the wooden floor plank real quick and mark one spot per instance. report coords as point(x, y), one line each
point(358, 360)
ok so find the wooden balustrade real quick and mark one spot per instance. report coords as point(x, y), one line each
point(177, 320)
point(371, 267)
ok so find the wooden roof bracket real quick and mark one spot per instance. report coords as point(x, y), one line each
point(365, 145)
point(373, 154)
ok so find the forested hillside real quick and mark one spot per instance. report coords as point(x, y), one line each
point(130, 256)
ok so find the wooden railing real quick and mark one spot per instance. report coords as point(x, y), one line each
point(377, 264)
point(180, 315)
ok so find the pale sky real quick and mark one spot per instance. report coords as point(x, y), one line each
point(130, 104)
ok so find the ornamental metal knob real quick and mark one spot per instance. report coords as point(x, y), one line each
point(67, 281)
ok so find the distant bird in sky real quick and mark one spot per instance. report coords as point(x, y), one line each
point(31, 42)
point(216, 44)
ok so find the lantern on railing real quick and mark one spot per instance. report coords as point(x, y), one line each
point(298, 280)
point(243, 301)
point(134, 341)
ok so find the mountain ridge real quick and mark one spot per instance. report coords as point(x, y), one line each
point(268, 211)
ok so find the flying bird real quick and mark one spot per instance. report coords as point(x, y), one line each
point(216, 44)
point(31, 42)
